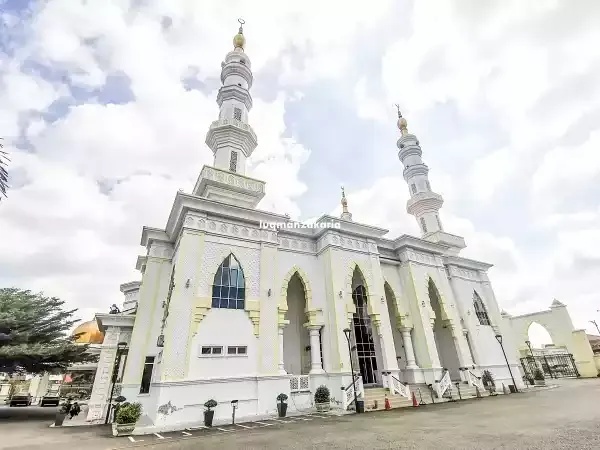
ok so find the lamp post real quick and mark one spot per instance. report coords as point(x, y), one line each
point(347, 334)
point(595, 323)
point(120, 348)
point(499, 339)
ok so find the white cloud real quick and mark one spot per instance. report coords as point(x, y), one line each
point(101, 171)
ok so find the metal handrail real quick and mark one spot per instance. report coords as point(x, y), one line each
point(354, 378)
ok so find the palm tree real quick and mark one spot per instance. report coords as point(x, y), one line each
point(3, 172)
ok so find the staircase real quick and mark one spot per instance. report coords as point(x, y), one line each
point(467, 391)
point(375, 399)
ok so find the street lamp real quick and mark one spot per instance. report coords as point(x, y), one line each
point(120, 349)
point(595, 323)
point(347, 334)
point(499, 339)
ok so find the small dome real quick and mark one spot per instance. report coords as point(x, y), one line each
point(88, 333)
point(239, 41)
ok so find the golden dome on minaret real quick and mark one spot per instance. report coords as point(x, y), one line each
point(402, 123)
point(88, 333)
point(239, 40)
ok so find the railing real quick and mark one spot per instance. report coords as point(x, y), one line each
point(397, 387)
point(299, 383)
point(474, 380)
point(443, 385)
point(348, 391)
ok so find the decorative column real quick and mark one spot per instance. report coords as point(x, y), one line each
point(411, 362)
point(315, 350)
point(281, 362)
point(98, 402)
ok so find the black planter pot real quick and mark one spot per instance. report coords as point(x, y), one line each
point(360, 406)
point(281, 409)
point(59, 419)
point(208, 418)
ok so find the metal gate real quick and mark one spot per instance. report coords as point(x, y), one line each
point(363, 337)
point(556, 365)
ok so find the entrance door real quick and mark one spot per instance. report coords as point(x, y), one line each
point(363, 337)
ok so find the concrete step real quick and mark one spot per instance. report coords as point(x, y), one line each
point(375, 399)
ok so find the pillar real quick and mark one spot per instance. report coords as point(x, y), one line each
point(97, 405)
point(281, 362)
point(315, 350)
point(411, 362)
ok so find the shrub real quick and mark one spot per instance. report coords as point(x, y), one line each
point(282, 398)
point(488, 379)
point(322, 395)
point(210, 404)
point(538, 375)
point(129, 413)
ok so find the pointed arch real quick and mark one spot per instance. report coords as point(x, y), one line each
point(400, 316)
point(282, 306)
point(480, 310)
point(445, 317)
point(350, 307)
point(229, 285)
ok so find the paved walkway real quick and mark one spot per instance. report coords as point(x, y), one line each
point(562, 418)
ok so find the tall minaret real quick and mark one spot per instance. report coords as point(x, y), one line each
point(424, 204)
point(231, 138)
point(346, 215)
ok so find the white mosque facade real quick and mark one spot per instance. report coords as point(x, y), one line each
point(228, 309)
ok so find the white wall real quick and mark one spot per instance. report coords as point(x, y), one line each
point(224, 327)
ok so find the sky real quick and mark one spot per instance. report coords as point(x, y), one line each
point(104, 108)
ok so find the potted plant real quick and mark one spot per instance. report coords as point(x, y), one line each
point(282, 405)
point(126, 418)
point(209, 412)
point(538, 378)
point(60, 416)
point(322, 399)
point(488, 381)
point(116, 405)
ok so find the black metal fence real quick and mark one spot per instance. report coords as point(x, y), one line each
point(555, 365)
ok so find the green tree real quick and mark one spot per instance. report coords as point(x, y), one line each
point(3, 171)
point(34, 334)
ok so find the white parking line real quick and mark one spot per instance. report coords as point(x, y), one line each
point(196, 428)
point(301, 418)
point(161, 437)
point(135, 440)
point(265, 424)
point(243, 426)
point(223, 429)
point(185, 433)
point(320, 417)
point(282, 421)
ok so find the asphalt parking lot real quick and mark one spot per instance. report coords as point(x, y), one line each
point(567, 417)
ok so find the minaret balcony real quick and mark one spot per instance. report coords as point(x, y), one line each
point(237, 68)
point(231, 132)
point(456, 243)
point(408, 148)
point(229, 187)
point(424, 202)
point(233, 92)
point(414, 170)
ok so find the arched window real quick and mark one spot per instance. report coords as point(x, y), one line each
point(423, 225)
point(480, 310)
point(228, 287)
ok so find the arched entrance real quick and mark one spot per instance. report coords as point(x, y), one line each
point(296, 347)
point(364, 337)
point(444, 340)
